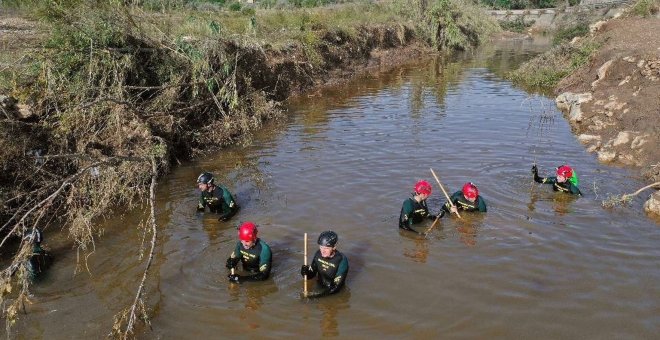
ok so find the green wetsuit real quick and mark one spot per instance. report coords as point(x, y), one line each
point(219, 201)
point(331, 272)
point(463, 204)
point(567, 186)
point(413, 212)
point(256, 260)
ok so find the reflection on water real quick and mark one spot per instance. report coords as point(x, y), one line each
point(537, 265)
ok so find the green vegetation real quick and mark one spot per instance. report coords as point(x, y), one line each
point(546, 70)
point(565, 34)
point(518, 25)
point(527, 4)
point(645, 8)
point(459, 24)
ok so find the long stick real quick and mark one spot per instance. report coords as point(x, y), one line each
point(432, 225)
point(445, 192)
point(305, 277)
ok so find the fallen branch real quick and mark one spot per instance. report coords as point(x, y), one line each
point(628, 196)
point(613, 200)
point(138, 296)
point(47, 200)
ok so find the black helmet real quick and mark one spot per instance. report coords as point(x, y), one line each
point(35, 236)
point(205, 178)
point(328, 238)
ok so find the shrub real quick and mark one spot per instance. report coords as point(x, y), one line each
point(568, 33)
point(645, 8)
point(235, 7)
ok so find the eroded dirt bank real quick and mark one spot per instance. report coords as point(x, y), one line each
point(613, 103)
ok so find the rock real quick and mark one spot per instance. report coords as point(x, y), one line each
point(652, 205)
point(615, 105)
point(627, 159)
point(594, 147)
point(622, 138)
point(24, 111)
point(602, 72)
point(575, 40)
point(639, 141)
point(640, 64)
point(569, 102)
point(584, 138)
point(629, 59)
point(624, 81)
point(606, 156)
point(596, 26)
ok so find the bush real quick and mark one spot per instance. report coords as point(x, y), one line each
point(519, 25)
point(519, 4)
point(459, 24)
point(546, 70)
point(568, 33)
point(235, 7)
point(645, 8)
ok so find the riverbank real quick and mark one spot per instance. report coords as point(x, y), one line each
point(607, 83)
point(113, 89)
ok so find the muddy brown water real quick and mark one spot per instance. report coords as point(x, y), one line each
point(537, 265)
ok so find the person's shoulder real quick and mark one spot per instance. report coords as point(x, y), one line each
point(264, 244)
point(344, 258)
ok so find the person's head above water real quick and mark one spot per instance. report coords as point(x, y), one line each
point(470, 191)
point(423, 188)
point(205, 180)
point(564, 173)
point(247, 233)
point(328, 243)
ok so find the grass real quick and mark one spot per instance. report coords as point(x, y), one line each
point(565, 34)
point(546, 70)
point(518, 25)
point(645, 8)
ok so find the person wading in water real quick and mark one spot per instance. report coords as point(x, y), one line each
point(566, 180)
point(216, 197)
point(253, 253)
point(414, 209)
point(330, 265)
point(467, 199)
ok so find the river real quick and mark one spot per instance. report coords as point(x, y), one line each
point(537, 265)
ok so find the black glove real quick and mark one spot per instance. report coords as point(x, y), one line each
point(535, 170)
point(200, 208)
point(305, 270)
point(232, 262)
point(233, 278)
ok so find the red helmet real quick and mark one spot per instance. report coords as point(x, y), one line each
point(423, 187)
point(470, 190)
point(247, 232)
point(565, 171)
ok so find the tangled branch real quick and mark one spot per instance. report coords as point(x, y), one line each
point(152, 218)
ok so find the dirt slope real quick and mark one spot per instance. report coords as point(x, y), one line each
point(618, 112)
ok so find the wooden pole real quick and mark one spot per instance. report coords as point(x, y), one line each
point(445, 192)
point(305, 277)
point(432, 225)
